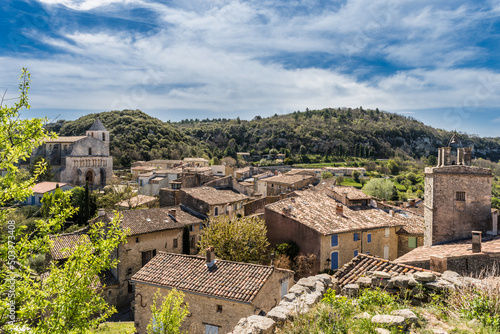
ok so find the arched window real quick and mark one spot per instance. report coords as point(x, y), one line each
point(216, 211)
point(90, 150)
point(103, 136)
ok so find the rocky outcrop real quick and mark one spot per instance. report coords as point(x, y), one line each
point(299, 299)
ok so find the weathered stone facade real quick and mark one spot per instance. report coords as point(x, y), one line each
point(79, 159)
point(457, 201)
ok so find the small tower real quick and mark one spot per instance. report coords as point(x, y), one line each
point(457, 196)
point(98, 131)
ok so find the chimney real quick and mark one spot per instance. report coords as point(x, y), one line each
point(438, 263)
point(476, 242)
point(391, 213)
point(101, 212)
point(172, 212)
point(292, 199)
point(340, 209)
point(210, 256)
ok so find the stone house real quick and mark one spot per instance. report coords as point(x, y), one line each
point(137, 202)
point(222, 170)
point(141, 169)
point(457, 198)
point(43, 188)
point(149, 232)
point(332, 231)
point(219, 293)
point(214, 202)
point(283, 183)
point(80, 159)
point(162, 164)
point(150, 183)
point(349, 196)
point(196, 162)
point(61, 249)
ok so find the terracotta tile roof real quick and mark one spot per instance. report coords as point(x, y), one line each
point(214, 196)
point(67, 242)
point(452, 249)
point(67, 139)
point(243, 170)
point(137, 201)
point(351, 192)
point(151, 220)
point(319, 212)
point(47, 186)
point(226, 279)
point(413, 224)
point(363, 263)
point(325, 184)
point(288, 179)
point(139, 168)
point(161, 161)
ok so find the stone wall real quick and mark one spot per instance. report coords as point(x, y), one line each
point(169, 197)
point(403, 243)
point(259, 205)
point(299, 299)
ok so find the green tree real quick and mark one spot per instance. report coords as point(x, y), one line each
point(380, 188)
point(168, 318)
point(393, 166)
point(355, 176)
point(46, 175)
point(274, 153)
point(327, 175)
point(67, 301)
point(242, 239)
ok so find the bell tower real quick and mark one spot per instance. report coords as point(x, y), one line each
point(457, 196)
point(98, 131)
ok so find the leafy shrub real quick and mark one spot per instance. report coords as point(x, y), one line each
point(369, 299)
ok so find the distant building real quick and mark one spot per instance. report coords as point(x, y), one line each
point(43, 188)
point(214, 202)
point(138, 201)
point(332, 231)
point(345, 171)
point(283, 183)
point(80, 159)
point(219, 293)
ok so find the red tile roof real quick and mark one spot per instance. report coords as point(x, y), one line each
point(47, 186)
point(214, 196)
point(352, 193)
point(319, 212)
point(226, 279)
point(363, 263)
point(67, 242)
point(68, 139)
point(151, 220)
point(452, 249)
point(288, 179)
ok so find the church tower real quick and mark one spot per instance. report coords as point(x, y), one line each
point(457, 196)
point(98, 131)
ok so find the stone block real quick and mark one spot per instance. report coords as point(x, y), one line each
point(312, 298)
point(424, 276)
point(388, 320)
point(364, 282)
point(351, 290)
point(279, 314)
point(289, 297)
point(364, 315)
point(320, 287)
point(325, 278)
point(299, 290)
point(308, 282)
point(409, 316)
point(382, 331)
point(381, 274)
point(401, 281)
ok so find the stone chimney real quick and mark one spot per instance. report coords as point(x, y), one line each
point(210, 256)
point(101, 212)
point(391, 213)
point(172, 212)
point(340, 209)
point(476, 241)
point(292, 199)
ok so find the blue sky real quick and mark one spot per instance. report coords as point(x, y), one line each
point(437, 61)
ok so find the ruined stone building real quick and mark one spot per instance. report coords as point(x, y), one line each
point(78, 159)
point(457, 197)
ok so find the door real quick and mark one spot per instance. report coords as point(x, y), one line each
point(335, 261)
point(386, 252)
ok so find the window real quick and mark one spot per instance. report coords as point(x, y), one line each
point(130, 287)
point(103, 137)
point(355, 253)
point(192, 241)
point(284, 288)
point(412, 242)
point(460, 196)
point(147, 255)
point(334, 261)
point(129, 271)
point(386, 252)
point(216, 211)
point(335, 240)
point(235, 207)
point(387, 232)
point(191, 228)
point(356, 237)
point(369, 238)
point(136, 240)
point(90, 150)
point(219, 308)
point(211, 329)
point(175, 243)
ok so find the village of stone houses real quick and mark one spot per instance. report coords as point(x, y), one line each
point(270, 249)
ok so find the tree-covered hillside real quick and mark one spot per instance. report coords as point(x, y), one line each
point(327, 132)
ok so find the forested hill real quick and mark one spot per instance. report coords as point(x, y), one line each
point(331, 132)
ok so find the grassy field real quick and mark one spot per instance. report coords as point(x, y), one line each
point(115, 328)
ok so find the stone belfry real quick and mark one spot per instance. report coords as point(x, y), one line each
point(457, 196)
point(98, 131)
